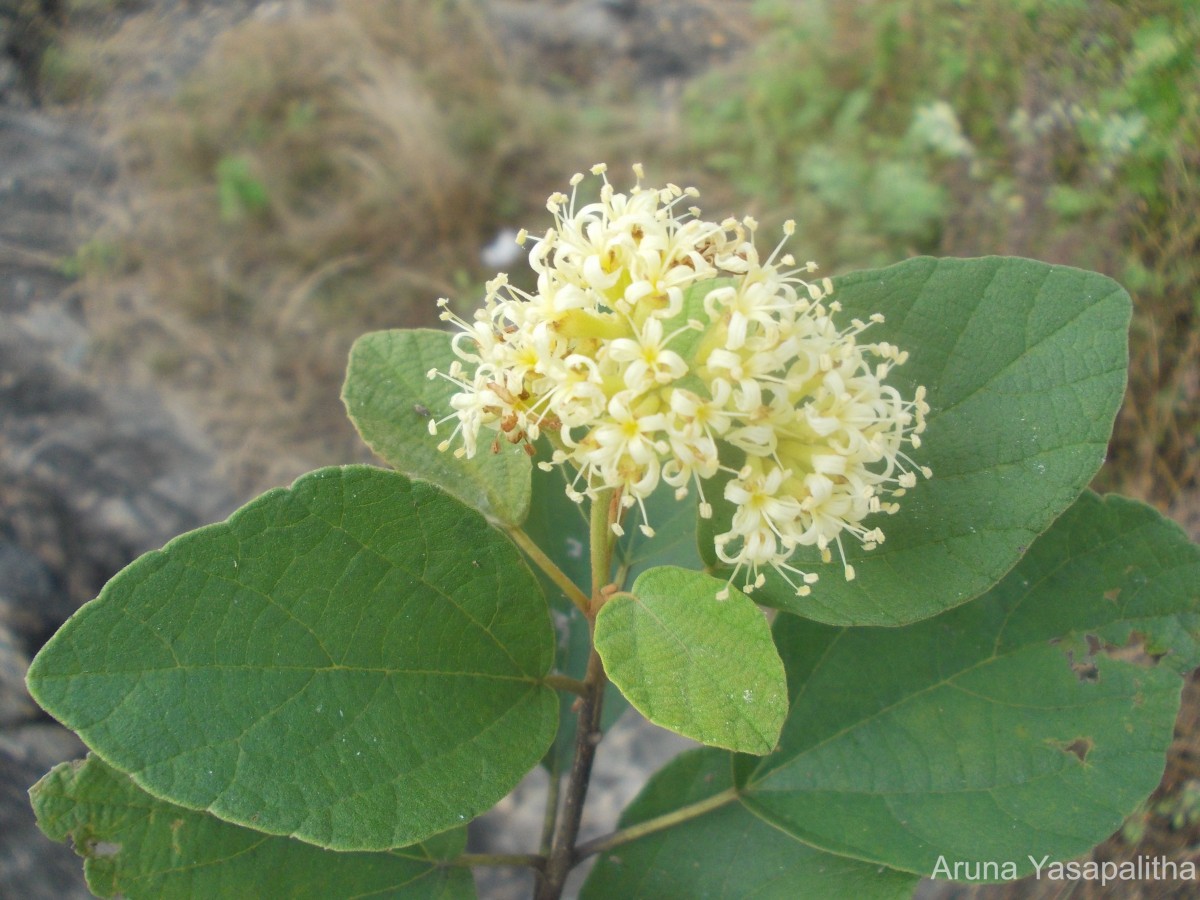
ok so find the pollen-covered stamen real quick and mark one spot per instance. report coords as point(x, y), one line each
point(645, 526)
point(807, 578)
point(789, 229)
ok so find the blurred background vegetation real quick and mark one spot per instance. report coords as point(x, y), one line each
point(1064, 130)
point(323, 172)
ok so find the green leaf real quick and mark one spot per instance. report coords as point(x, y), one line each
point(391, 400)
point(137, 846)
point(1033, 720)
point(702, 667)
point(727, 852)
point(355, 661)
point(687, 342)
point(1025, 368)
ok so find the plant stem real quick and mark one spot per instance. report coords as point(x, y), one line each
point(587, 736)
point(562, 854)
point(633, 832)
point(550, 819)
point(547, 565)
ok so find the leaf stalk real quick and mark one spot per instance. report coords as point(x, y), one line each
point(550, 568)
point(566, 683)
point(633, 832)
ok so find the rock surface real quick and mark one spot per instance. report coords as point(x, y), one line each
point(91, 474)
point(32, 867)
point(638, 42)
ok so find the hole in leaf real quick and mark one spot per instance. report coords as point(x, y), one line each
point(104, 849)
point(1079, 748)
point(1134, 652)
point(1085, 669)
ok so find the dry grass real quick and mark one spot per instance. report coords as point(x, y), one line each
point(1158, 432)
point(315, 177)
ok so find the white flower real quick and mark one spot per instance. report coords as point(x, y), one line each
point(647, 361)
point(604, 361)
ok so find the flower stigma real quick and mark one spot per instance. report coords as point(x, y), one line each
point(653, 338)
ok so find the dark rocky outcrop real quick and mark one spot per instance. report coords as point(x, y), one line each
point(91, 474)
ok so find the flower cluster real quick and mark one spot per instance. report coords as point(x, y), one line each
point(652, 337)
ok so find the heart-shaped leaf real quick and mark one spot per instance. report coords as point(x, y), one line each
point(142, 848)
point(355, 661)
point(702, 667)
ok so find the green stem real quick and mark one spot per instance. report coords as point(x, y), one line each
point(566, 683)
point(547, 565)
point(633, 832)
point(531, 860)
point(562, 856)
point(604, 512)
